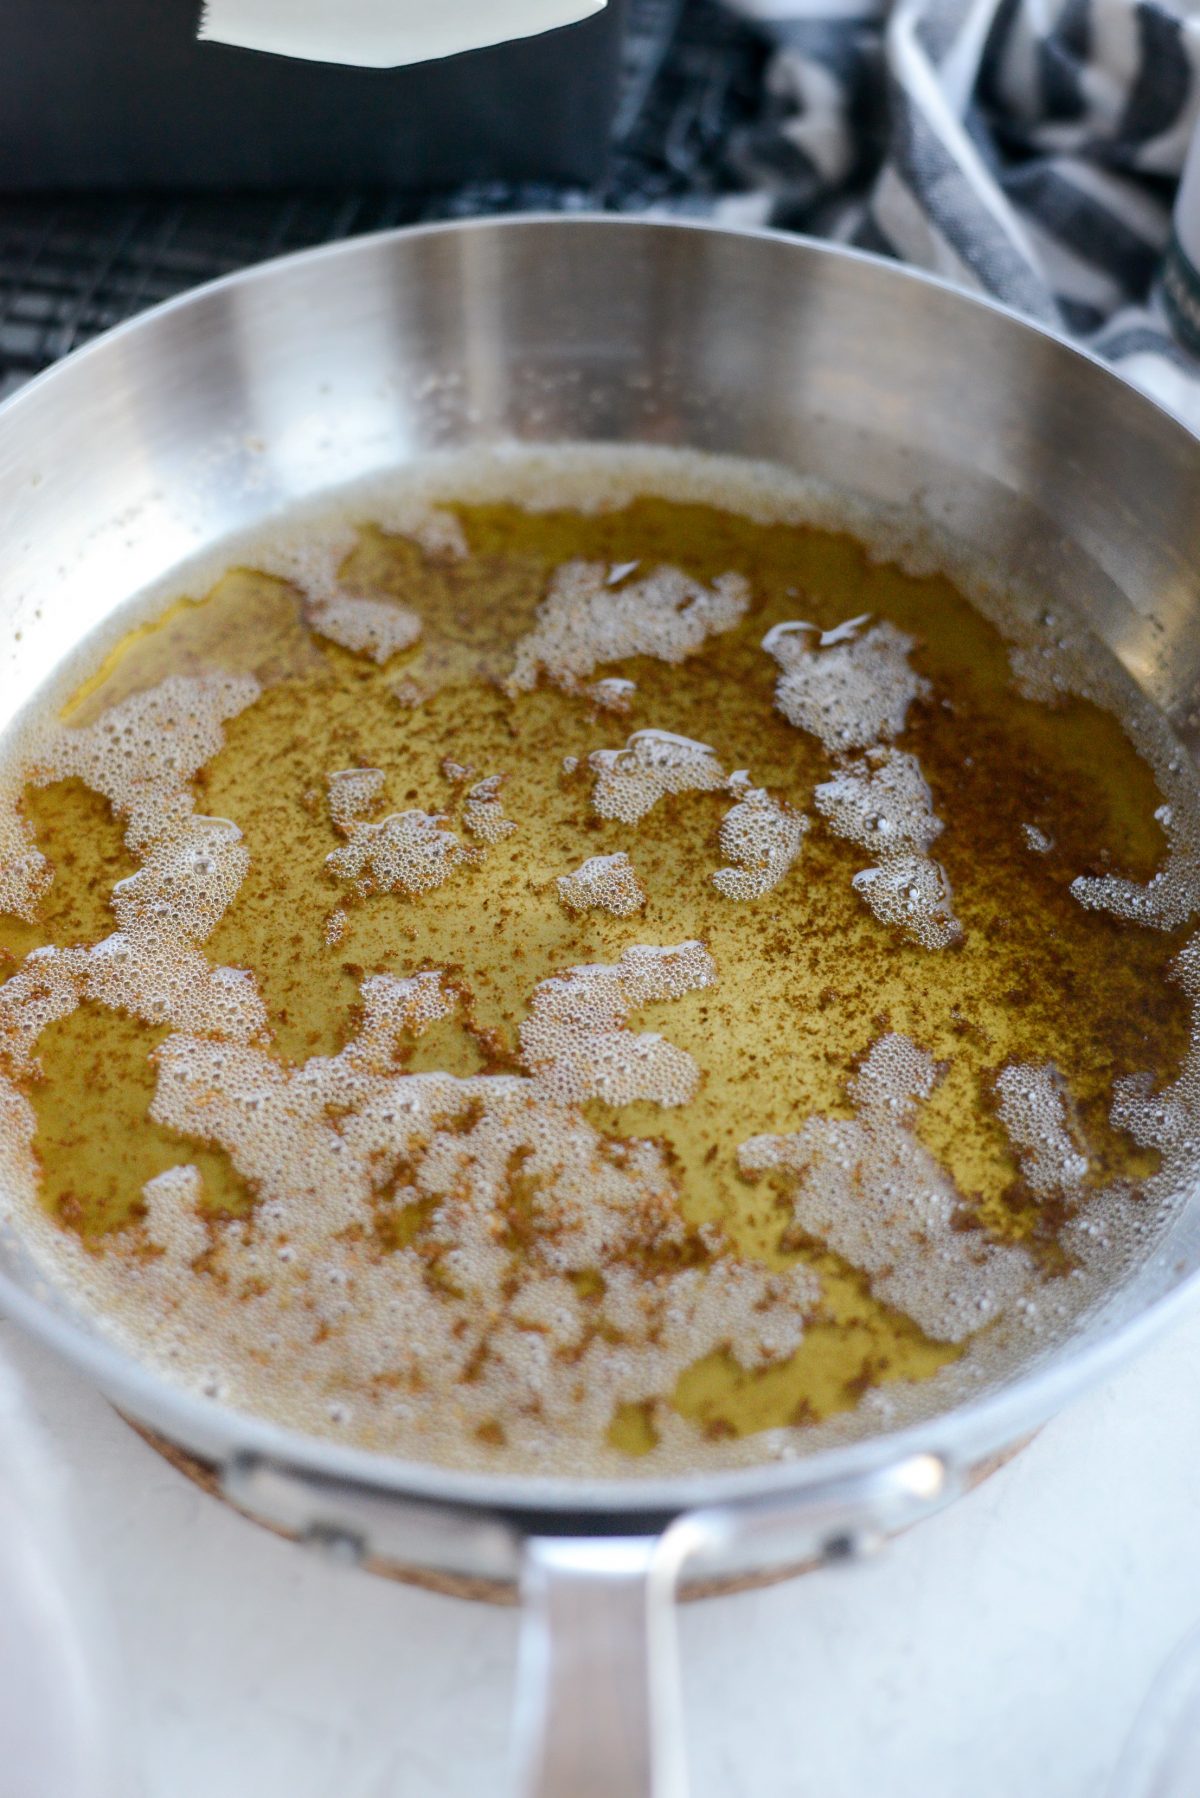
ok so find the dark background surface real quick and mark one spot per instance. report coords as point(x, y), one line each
point(73, 264)
point(121, 93)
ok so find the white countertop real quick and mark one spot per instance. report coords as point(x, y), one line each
point(1000, 1648)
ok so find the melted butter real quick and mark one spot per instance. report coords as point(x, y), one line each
point(85, 846)
point(96, 1142)
point(808, 978)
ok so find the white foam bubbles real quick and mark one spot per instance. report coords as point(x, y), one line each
point(1167, 1120)
point(631, 781)
point(310, 562)
point(762, 836)
point(172, 1222)
point(362, 622)
point(882, 801)
point(439, 533)
point(483, 811)
point(371, 627)
point(1036, 1110)
point(394, 1007)
point(585, 621)
point(25, 874)
point(869, 1188)
point(848, 687)
point(1165, 901)
point(913, 894)
point(1055, 656)
point(576, 1043)
point(613, 694)
point(408, 693)
point(141, 754)
point(407, 852)
point(354, 794)
point(186, 884)
point(604, 883)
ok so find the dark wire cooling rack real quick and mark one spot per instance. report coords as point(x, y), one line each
point(72, 267)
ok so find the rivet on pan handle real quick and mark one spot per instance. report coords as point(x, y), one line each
point(352, 1522)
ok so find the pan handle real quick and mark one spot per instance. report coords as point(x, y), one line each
point(598, 1708)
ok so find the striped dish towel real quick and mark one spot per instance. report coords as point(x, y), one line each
point(1028, 149)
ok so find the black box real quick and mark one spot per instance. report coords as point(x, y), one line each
point(121, 94)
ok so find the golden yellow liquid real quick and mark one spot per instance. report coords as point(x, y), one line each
point(809, 978)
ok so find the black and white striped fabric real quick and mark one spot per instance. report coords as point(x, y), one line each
point(1025, 148)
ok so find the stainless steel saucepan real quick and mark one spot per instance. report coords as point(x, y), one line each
point(245, 397)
